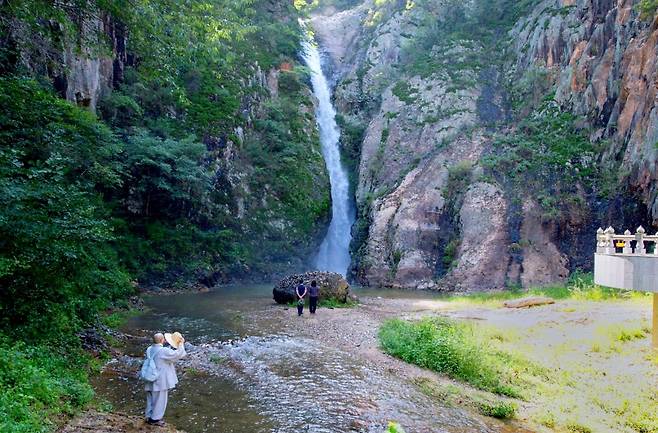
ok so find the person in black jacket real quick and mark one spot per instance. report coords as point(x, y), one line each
point(313, 295)
point(301, 293)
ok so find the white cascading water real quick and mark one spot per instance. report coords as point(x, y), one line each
point(334, 254)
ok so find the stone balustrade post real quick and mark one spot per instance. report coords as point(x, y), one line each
point(610, 234)
point(627, 244)
point(600, 240)
point(639, 238)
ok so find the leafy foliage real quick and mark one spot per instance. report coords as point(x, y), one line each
point(190, 80)
point(56, 264)
point(37, 384)
point(394, 427)
point(648, 8)
point(146, 190)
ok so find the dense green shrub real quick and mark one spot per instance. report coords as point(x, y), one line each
point(141, 191)
point(38, 383)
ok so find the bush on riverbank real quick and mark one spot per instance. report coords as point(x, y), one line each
point(38, 384)
point(451, 348)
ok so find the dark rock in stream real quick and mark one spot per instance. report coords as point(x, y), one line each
point(332, 286)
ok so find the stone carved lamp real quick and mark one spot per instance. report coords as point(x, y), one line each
point(628, 261)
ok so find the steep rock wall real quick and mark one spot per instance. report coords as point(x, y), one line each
point(604, 62)
point(432, 211)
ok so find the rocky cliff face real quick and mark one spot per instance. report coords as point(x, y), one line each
point(602, 58)
point(441, 202)
point(80, 69)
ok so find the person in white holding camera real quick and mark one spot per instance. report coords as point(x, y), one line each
point(159, 374)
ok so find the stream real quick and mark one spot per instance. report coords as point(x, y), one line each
point(250, 376)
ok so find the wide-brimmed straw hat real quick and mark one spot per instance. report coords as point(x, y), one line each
point(174, 340)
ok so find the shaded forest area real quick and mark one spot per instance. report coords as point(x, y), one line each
point(196, 161)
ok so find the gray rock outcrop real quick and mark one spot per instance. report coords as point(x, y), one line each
point(419, 228)
point(332, 286)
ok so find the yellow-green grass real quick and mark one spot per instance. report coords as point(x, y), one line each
point(574, 372)
point(456, 349)
point(580, 287)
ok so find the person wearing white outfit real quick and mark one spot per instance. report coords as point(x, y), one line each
point(157, 392)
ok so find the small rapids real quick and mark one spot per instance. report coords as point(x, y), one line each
point(303, 387)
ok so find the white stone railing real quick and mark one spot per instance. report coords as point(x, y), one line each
point(631, 269)
point(608, 242)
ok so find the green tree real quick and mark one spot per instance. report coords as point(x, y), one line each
point(56, 266)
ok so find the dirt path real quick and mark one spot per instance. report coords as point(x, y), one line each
point(93, 421)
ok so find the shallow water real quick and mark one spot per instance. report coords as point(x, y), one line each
point(266, 380)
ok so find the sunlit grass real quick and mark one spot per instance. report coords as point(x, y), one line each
point(451, 395)
point(455, 348)
point(330, 303)
point(580, 287)
point(596, 375)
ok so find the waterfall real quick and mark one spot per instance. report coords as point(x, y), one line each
point(334, 254)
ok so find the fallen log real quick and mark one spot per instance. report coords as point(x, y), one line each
point(531, 301)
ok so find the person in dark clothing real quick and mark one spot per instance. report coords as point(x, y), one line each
point(314, 294)
point(301, 293)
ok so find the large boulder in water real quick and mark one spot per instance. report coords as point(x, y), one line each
point(332, 285)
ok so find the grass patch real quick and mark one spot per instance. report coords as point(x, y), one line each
point(452, 348)
point(39, 384)
point(580, 287)
point(500, 409)
point(452, 395)
point(330, 303)
point(334, 303)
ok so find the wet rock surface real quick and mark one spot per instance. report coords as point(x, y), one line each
point(332, 286)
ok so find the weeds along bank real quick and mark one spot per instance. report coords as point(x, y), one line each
point(151, 141)
point(583, 364)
